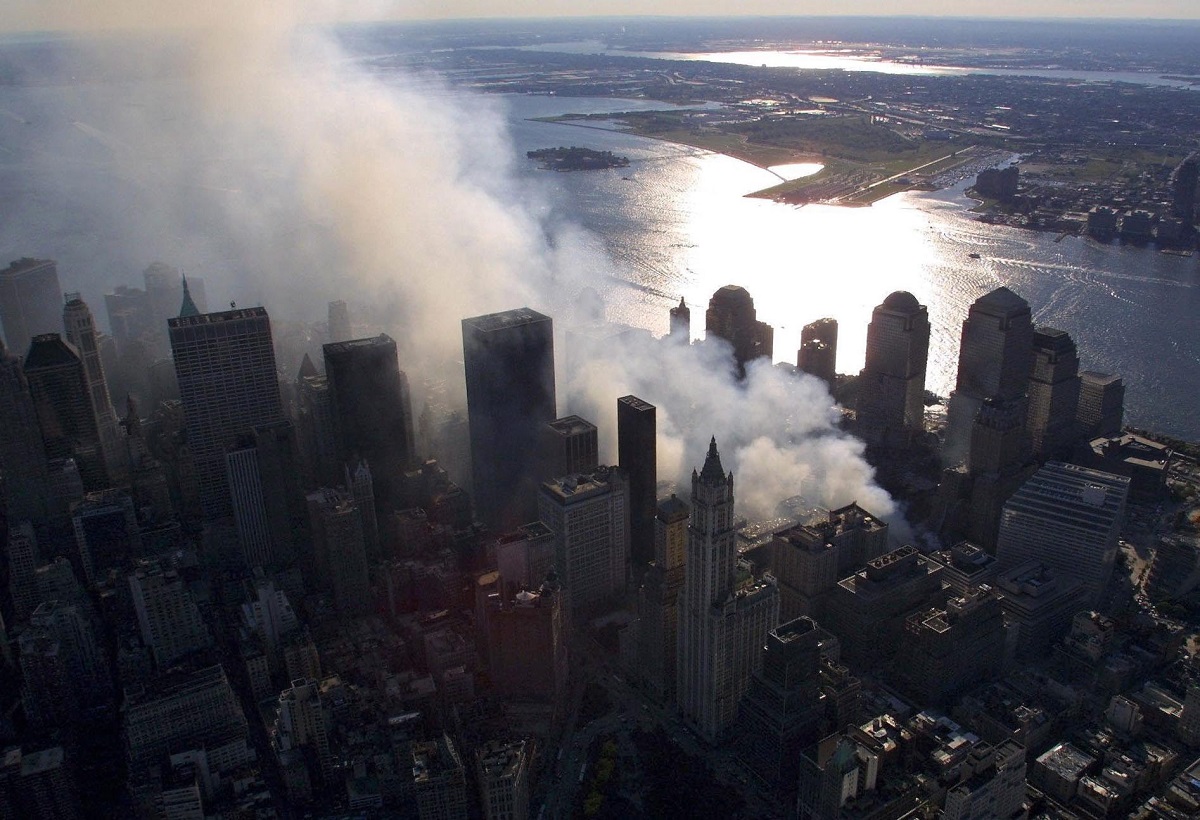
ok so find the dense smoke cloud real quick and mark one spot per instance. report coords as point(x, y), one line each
point(328, 181)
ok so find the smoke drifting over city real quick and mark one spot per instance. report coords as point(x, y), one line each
point(319, 179)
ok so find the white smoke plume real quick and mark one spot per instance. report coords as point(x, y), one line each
point(330, 181)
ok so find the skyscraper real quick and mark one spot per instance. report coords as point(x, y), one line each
point(225, 363)
point(301, 724)
point(509, 362)
point(63, 402)
point(1069, 518)
point(731, 316)
point(891, 401)
point(658, 601)
point(22, 454)
point(589, 516)
point(341, 550)
point(30, 300)
point(170, 622)
point(994, 361)
point(81, 333)
point(570, 445)
point(637, 449)
point(1053, 391)
point(1101, 406)
point(817, 355)
point(339, 322)
point(681, 322)
point(721, 626)
point(372, 412)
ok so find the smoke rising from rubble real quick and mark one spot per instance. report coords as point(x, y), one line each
point(322, 180)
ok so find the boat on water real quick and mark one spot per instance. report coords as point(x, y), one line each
point(973, 255)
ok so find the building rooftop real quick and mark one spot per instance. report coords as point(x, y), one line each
point(50, 350)
point(1097, 378)
point(571, 426)
point(23, 265)
point(574, 488)
point(1066, 761)
point(635, 403)
point(335, 348)
point(902, 301)
point(500, 760)
point(220, 317)
point(492, 322)
point(1000, 302)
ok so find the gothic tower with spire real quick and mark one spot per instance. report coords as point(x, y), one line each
point(722, 623)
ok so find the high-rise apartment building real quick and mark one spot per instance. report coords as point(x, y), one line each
point(782, 711)
point(570, 445)
point(721, 626)
point(817, 355)
point(23, 560)
point(30, 301)
point(731, 316)
point(1053, 391)
point(372, 413)
point(169, 621)
point(589, 516)
point(1069, 518)
point(39, 784)
point(503, 772)
point(225, 363)
point(952, 648)
point(509, 363)
point(527, 642)
point(341, 549)
point(60, 638)
point(302, 724)
point(106, 532)
point(64, 409)
point(1101, 408)
point(81, 334)
point(22, 454)
point(182, 710)
point(891, 401)
point(637, 455)
point(867, 610)
point(994, 361)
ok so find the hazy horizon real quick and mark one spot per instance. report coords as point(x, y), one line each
point(30, 16)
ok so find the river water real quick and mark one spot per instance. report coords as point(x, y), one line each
point(678, 224)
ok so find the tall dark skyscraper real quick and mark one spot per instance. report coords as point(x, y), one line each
point(638, 456)
point(372, 411)
point(994, 361)
point(22, 454)
point(30, 301)
point(1053, 391)
point(571, 445)
point(818, 350)
point(509, 362)
point(731, 316)
point(60, 394)
point(81, 333)
point(891, 401)
point(225, 364)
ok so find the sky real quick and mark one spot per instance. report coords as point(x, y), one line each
point(47, 15)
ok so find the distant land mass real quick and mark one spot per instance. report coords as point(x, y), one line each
point(576, 159)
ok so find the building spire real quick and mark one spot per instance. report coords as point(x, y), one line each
point(188, 308)
point(713, 472)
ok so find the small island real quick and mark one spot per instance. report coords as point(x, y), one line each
point(576, 159)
